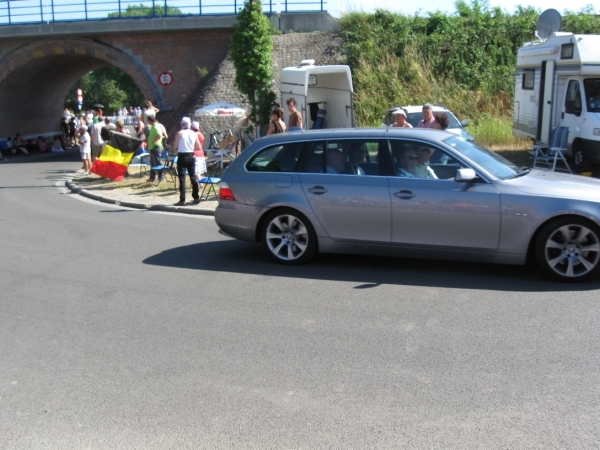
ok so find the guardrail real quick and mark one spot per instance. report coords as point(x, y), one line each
point(19, 12)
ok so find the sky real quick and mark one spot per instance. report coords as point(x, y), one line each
point(337, 7)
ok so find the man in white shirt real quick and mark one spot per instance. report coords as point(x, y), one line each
point(186, 142)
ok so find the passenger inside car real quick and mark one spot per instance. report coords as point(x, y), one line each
point(336, 161)
point(407, 162)
point(357, 154)
point(423, 170)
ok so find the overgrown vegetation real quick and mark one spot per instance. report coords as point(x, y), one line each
point(465, 61)
point(251, 49)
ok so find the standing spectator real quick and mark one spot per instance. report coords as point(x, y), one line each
point(149, 111)
point(295, 122)
point(186, 142)
point(97, 140)
point(240, 130)
point(441, 121)
point(107, 128)
point(155, 149)
point(199, 154)
point(428, 119)
point(64, 130)
point(72, 130)
point(140, 128)
point(121, 127)
point(85, 149)
point(89, 117)
point(277, 125)
point(400, 119)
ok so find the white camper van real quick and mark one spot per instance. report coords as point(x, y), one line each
point(558, 84)
point(323, 94)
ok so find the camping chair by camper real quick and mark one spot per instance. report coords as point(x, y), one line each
point(550, 155)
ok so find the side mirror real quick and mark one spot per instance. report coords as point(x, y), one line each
point(464, 123)
point(465, 175)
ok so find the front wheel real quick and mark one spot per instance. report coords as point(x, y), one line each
point(568, 249)
point(289, 237)
point(579, 160)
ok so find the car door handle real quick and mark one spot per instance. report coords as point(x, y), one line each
point(404, 194)
point(317, 190)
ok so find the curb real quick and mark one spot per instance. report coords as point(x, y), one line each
point(76, 189)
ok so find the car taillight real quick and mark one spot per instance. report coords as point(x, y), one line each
point(225, 192)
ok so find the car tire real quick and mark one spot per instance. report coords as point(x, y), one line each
point(579, 160)
point(288, 237)
point(568, 249)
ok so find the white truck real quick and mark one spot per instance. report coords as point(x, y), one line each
point(323, 94)
point(558, 84)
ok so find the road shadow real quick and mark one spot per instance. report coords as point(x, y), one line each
point(234, 257)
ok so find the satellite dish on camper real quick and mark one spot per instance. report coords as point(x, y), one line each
point(549, 22)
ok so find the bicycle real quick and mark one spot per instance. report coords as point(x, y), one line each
point(218, 140)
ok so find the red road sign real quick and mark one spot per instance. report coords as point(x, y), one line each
point(165, 78)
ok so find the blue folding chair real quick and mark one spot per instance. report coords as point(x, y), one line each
point(142, 161)
point(211, 179)
point(166, 166)
point(547, 156)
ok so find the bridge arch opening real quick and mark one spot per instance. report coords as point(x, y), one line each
point(108, 86)
point(35, 80)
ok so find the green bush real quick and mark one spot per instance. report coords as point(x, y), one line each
point(464, 61)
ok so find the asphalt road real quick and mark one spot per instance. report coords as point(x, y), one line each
point(129, 329)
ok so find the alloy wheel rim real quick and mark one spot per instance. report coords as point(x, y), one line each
point(287, 237)
point(572, 251)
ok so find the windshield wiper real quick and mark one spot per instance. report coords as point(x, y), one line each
point(523, 170)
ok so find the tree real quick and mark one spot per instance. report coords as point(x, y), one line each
point(251, 49)
point(143, 11)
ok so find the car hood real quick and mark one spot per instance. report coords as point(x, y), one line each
point(554, 184)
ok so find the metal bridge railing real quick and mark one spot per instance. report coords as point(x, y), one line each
point(18, 12)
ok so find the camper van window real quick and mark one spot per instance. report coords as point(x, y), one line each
point(528, 78)
point(591, 87)
point(573, 99)
point(566, 51)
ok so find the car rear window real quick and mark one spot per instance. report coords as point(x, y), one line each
point(279, 158)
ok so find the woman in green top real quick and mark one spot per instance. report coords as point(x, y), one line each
point(155, 149)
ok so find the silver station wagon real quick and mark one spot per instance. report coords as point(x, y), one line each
point(408, 193)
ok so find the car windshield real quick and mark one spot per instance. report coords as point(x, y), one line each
point(416, 117)
point(592, 94)
point(490, 161)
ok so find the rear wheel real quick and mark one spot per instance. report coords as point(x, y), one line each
point(568, 249)
point(289, 237)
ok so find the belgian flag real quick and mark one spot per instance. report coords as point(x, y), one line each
point(116, 156)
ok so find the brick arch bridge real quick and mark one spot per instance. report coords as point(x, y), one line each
point(36, 77)
point(39, 63)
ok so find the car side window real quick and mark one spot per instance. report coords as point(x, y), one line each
point(346, 157)
point(413, 159)
point(279, 158)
